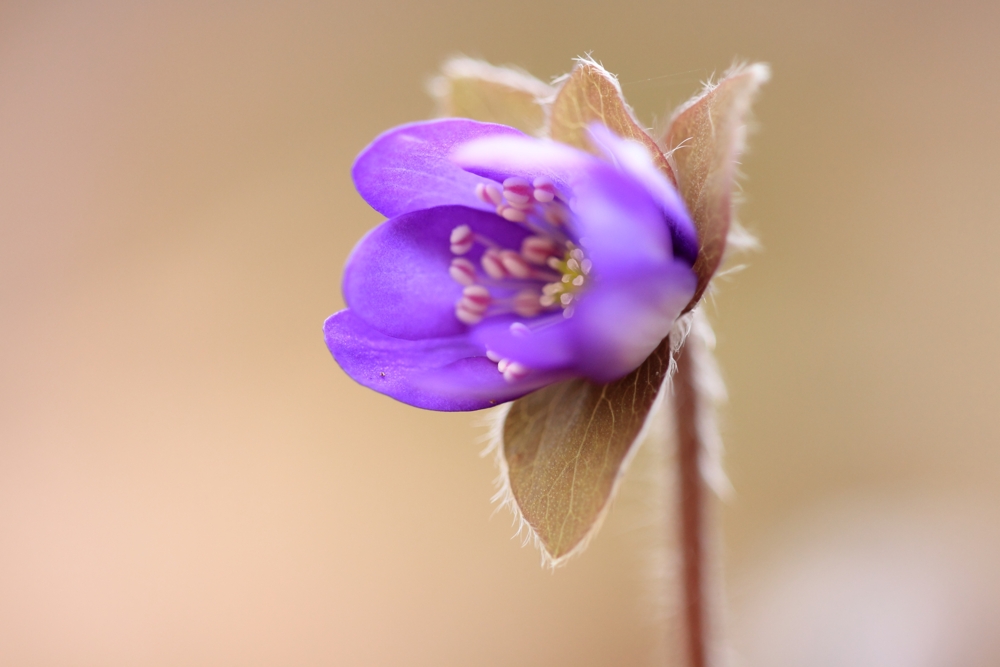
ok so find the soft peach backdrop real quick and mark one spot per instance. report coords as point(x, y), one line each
point(186, 477)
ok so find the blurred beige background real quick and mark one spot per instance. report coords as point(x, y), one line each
point(187, 478)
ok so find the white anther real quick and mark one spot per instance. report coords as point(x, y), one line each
point(467, 316)
point(462, 239)
point(515, 264)
point(573, 264)
point(576, 254)
point(503, 364)
point(547, 300)
point(566, 278)
point(527, 303)
point(519, 329)
point(566, 299)
point(492, 264)
point(585, 266)
point(517, 190)
point(578, 281)
point(554, 262)
point(545, 190)
point(510, 213)
point(568, 312)
point(493, 356)
point(514, 372)
point(552, 288)
point(462, 271)
point(538, 249)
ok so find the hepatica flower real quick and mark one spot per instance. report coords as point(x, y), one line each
point(545, 253)
point(508, 263)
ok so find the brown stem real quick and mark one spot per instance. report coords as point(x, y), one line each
point(692, 508)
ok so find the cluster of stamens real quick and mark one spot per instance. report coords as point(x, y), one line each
point(544, 276)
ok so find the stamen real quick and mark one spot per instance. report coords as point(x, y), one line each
point(471, 308)
point(517, 190)
point(556, 214)
point(462, 239)
point(586, 265)
point(545, 190)
point(467, 316)
point(514, 372)
point(527, 303)
point(538, 249)
point(489, 193)
point(566, 299)
point(515, 264)
point(493, 356)
point(493, 264)
point(519, 329)
point(511, 214)
point(476, 296)
point(462, 271)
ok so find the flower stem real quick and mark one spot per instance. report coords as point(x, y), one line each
point(692, 494)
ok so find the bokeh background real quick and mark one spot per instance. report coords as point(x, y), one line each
point(187, 478)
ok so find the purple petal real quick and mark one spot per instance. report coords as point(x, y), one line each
point(633, 159)
point(397, 278)
point(618, 222)
point(546, 345)
point(501, 156)
point(446, 374)
point(408, 168)
point(619, 322)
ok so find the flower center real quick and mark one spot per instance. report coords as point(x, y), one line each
point(574, 268)
point(545, 276)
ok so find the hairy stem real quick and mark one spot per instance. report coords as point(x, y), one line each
point(691, 508)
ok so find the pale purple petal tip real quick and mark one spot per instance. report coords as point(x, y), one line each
point(448, 374)
point(408, 168)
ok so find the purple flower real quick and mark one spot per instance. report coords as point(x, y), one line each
point(508, 263)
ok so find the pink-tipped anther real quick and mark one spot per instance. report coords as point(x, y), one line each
point(489, 193)
point(476, 297)
point(493, 265)
point(527, 303)
point(517, 190)
point(515, 265)
point(544, 190)
point(556, 214)
point(538, 249)
point(462, 271)
point(466, 316)
point(514, 371)
point(471, 308)
point(462, 239)
point(511, 213)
